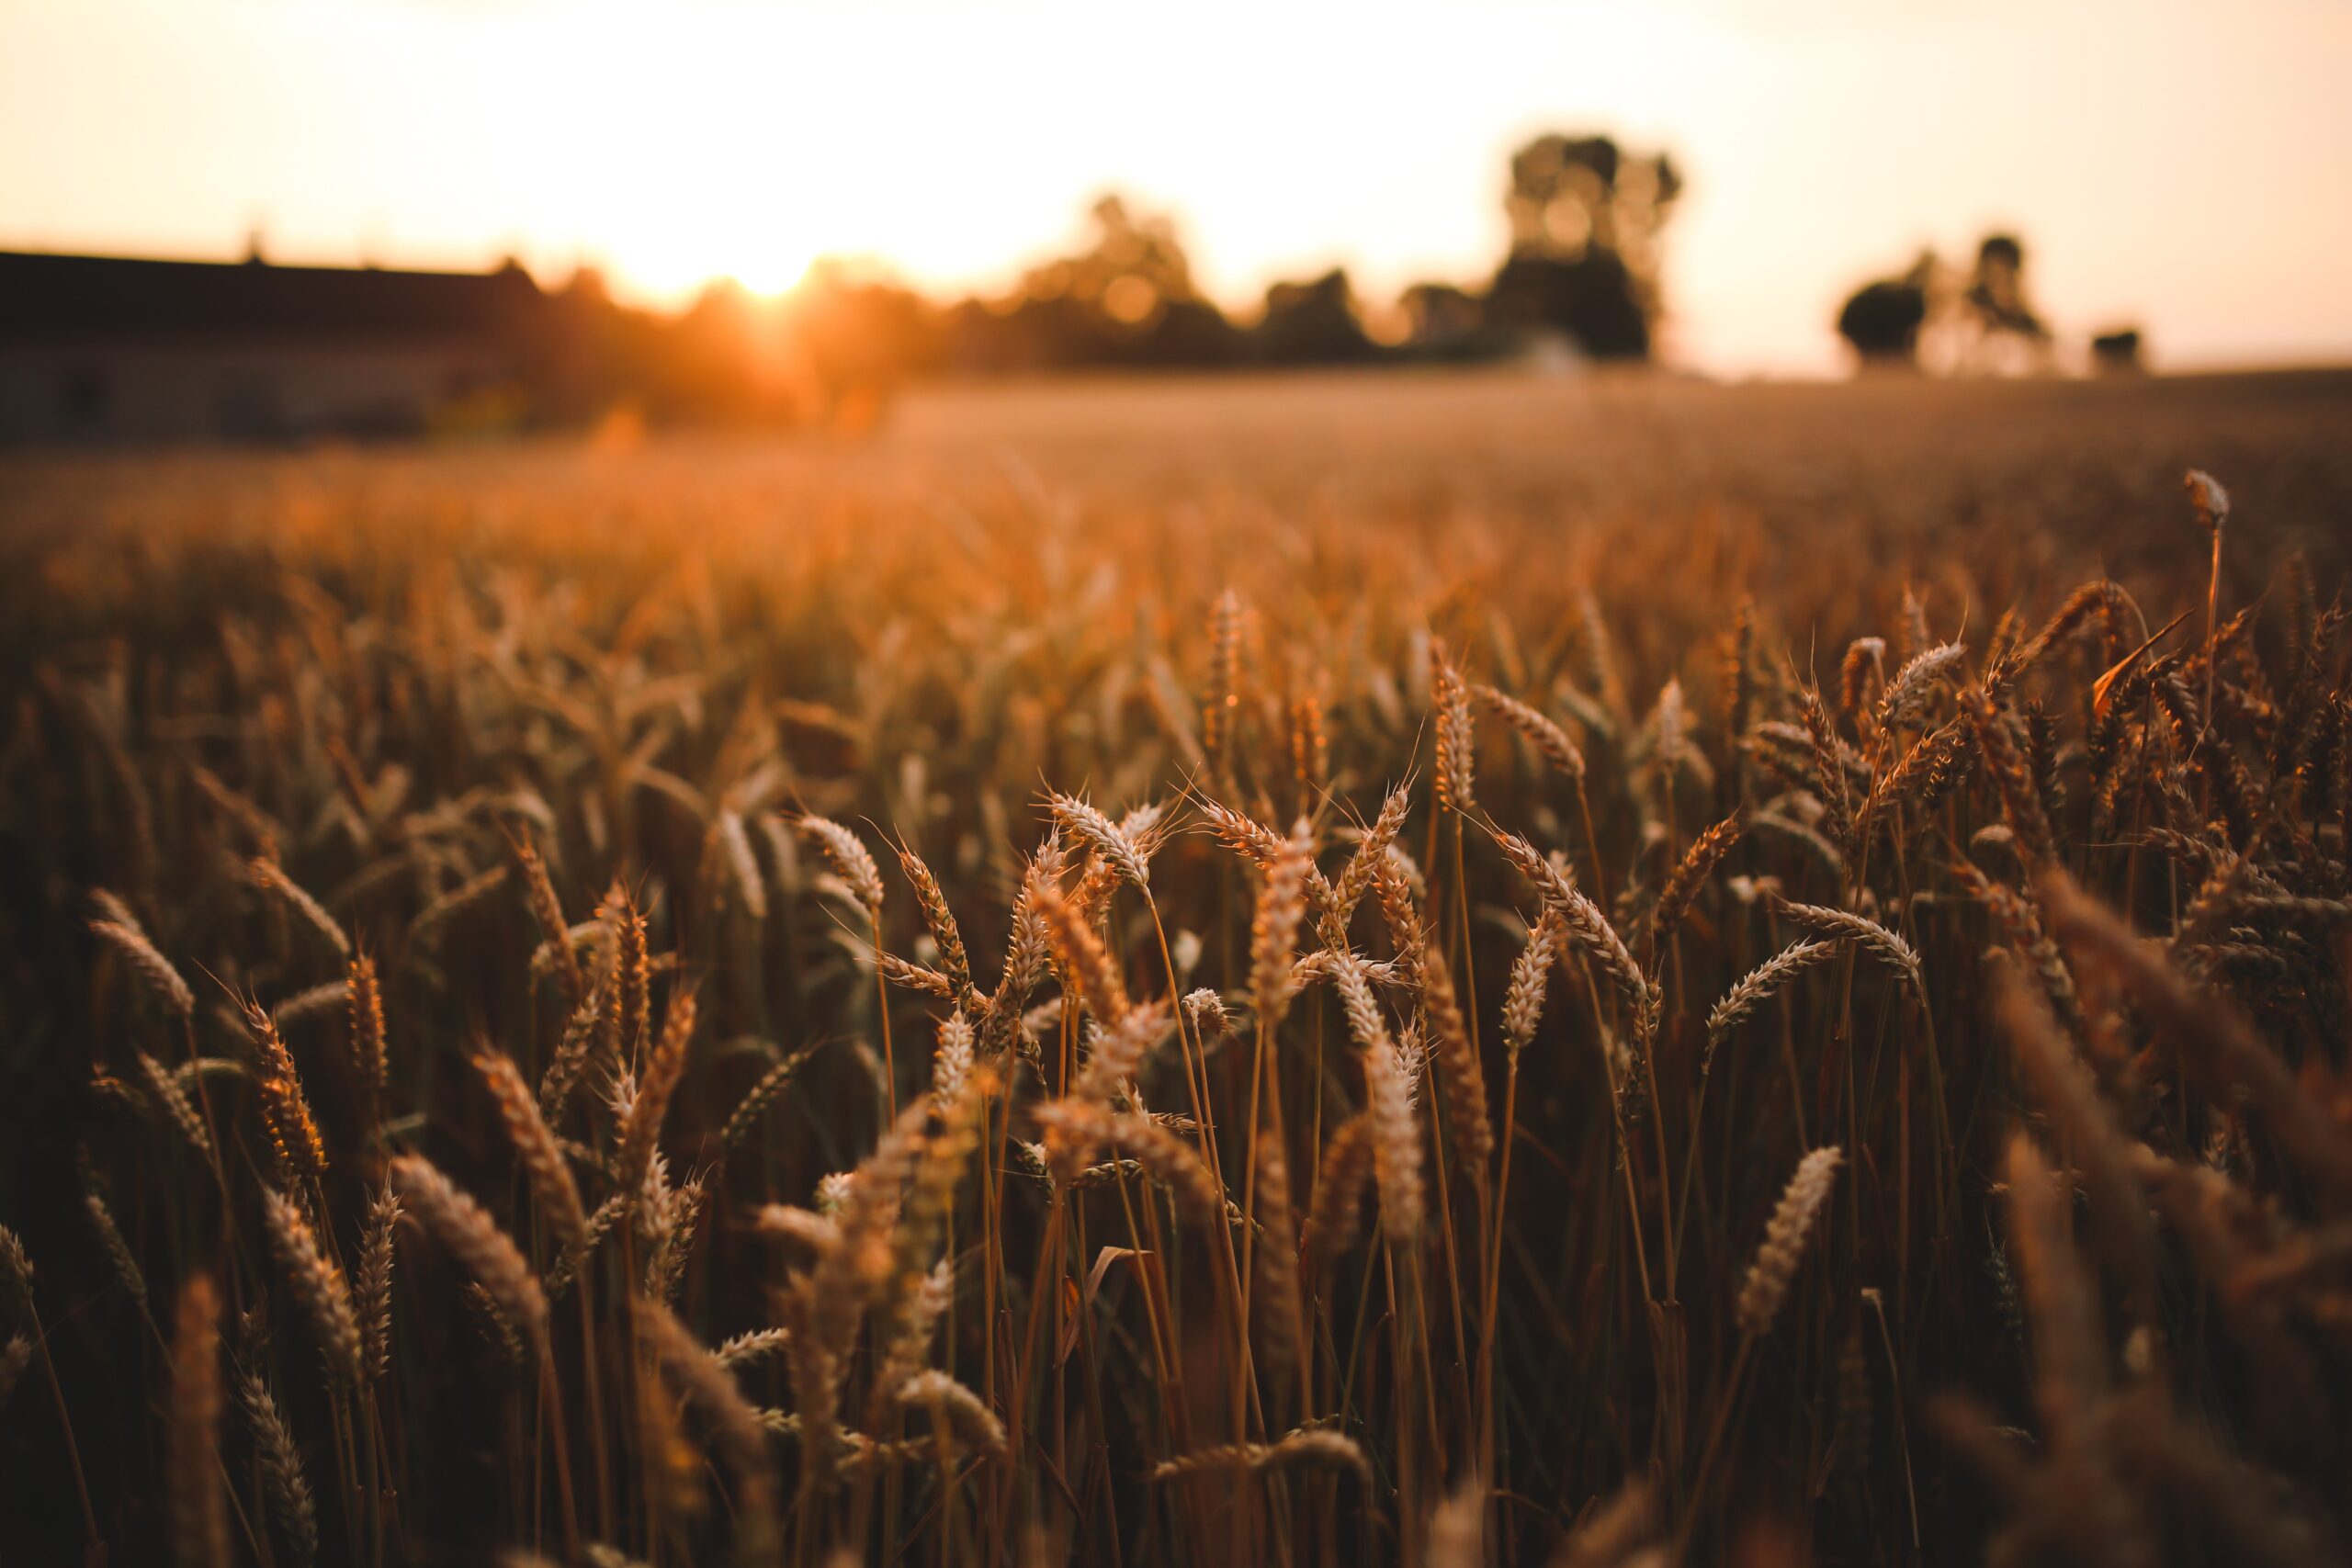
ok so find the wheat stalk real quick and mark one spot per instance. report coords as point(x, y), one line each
point(1458, 1069)
point(1909, 691)
point(1313, 1448)
point(2213, 1039)
point(665, 1065)
point(754, 1345)
point(1388, 1090)
point(2020, 799)
point(196, 1507)
point(1775, 1268)
point(1682, 887)
point(1887, 946)
point(313, 1002)
point(112, 1242)
point(1079, 953)
point(756, 1100)
point(1551, 742)
point(954, 962)
point(534, 1145)
point(1865, 658)
point(125, 935)
point(1337, 1214)
point(374, 1282)
point(1222, 705)
point(15, 1356)
point(271, 878)
point(472, 1237)
point(631, 996)
point(963, 1411)
point(1273, 928)
point(1075, 1126)
point(1590, 929)
point(293, 1131)
point(318, 1284)
point(547, 910)
point(174, 1102)
point(365, 999)
point(1760, 983)
point(1118, 1053)
point(291, 1503)
point(1116, 847)
point(1530, 975)
point(1278, 1260)
point(1357, 877)
point(582, 1032)
point(851, 861)
point(426, 931)
point(1457, 740)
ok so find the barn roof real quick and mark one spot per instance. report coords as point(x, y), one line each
point(81, 297)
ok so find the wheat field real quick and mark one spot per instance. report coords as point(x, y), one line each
point(1417, 970)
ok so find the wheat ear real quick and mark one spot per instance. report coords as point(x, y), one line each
point(291, 1503)
point(374, 1282)
point(534, 1145)
point(1775, 1268)
point(466, 1228)
point(125, 935)
point(664, 1067)
point(197, 1505)
point(1752, 990)
point(318, 1284)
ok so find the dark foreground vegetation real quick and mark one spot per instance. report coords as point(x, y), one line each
point(1465, 973)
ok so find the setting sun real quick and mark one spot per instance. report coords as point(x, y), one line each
point(671, 144)
point(672, 263)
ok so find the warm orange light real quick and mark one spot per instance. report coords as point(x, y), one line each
point(1826, 140)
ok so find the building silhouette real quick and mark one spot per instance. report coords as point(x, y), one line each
point(100, 350)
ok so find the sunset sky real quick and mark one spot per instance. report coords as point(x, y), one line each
point(2178, 164)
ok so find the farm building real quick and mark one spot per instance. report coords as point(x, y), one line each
point(97, 350)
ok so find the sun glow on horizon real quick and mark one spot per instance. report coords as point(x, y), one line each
point(668, 268)
point(667, 146)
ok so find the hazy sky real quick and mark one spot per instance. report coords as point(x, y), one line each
point(2185, 163)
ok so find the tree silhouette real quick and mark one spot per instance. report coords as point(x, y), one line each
point(1882, 319)
point(1311, 322)
point(1980, 323)
point(1127, 298)
point(1441, 319)
point(857, 333)
point(1996, 290)
point(1133, 270)
point(1587, 225)
point(2116, 352)
point(2006, 331)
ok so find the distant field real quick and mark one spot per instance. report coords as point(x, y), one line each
point(1433, 969)
point(1998, 485)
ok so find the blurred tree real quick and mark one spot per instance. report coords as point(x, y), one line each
point(1128, 297)
point(2117, 352)
point(721, 362)
point(1311, 322)
point(1115, 291)
point(2006, 331)
point(857, 333)
point(1882, 319)
point(1980, 322)
point(1587, 226)
point(1996, 290)
point(1592, 299)
point(1192, 333)
point(1442, 318)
